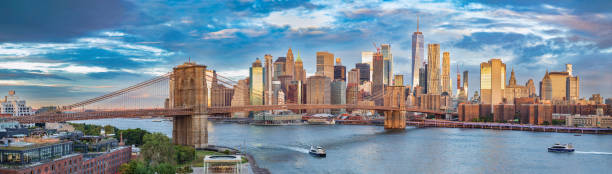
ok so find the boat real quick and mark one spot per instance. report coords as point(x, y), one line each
point(317, 151)
point(320, 121)
point(156, 120)
point(561, 148)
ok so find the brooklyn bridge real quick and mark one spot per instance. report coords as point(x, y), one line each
point(183, 95)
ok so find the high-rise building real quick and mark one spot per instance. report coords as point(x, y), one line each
point(364, 72)
point(268, 77)
point(398, 80)
point(447, 85)
point(339, 70)
point(433, 69)
point(299, 72)
point(387, 64)
point(367, 57)
point(514, 91)
point(352, 87)
point(422, 80)
point(256, 85)
point(465, 83)
point(289, 64)
point(417, 55)
point(318, 91)
point(241, 96)
point(338, 95)
point(492, 81)
point(573, 88)
point(12, 105)
point(378, 76)
point(279, 67)
point(325, 64)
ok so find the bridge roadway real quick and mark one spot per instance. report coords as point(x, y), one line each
point(130, 113)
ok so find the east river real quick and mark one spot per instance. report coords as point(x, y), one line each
point(371, 149)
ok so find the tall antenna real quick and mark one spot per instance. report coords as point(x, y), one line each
point(417, 23)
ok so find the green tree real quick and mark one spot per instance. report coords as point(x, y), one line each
point(108, 129)
point(132, 136)
point(546, 123)
point(157, 149)
point(165, 168)
point(184, 154)
point(135, 167)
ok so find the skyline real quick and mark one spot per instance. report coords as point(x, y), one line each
point(114, 49)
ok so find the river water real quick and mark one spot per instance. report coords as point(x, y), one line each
point(371, 149)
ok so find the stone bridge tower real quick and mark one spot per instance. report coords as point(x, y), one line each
point(394, 97)
point(188, 90)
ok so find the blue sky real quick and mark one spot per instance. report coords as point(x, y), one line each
point(58, 52)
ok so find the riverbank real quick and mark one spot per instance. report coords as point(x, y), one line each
point(457, 124)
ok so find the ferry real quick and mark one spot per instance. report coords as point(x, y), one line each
point(561, 148)
point(319, 121)
point(318, 151)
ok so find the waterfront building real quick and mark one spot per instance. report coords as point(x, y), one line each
point(417, 56)
point(325, 64)
point(588, 121)
point(268, 77)
point(364, 72)
point(377, 77)
point(289, 68)
point(387, 64)
point(429, 102)
point(338, 95)
point(447, 85)
point(339, 70)
point(536, 114)
point(256, 83)
point(241, 96)
point(299, 72)
point(492, 81)
point(398, 80)
point(433, 69)
point(503, 112)
point(279, 67)
point(367, 57)
point(318, 89)
point(12, 105)
point(513, 90)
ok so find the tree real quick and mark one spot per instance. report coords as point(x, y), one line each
point(132, 136)
point(184, 154)
point(546, 123)
point(165, 168)
point(135, 167)
point(157, 149)
point(108, 129)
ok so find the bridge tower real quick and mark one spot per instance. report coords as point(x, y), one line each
point(394, 97)
point(188, 90)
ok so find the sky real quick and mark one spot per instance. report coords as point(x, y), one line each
point(61, 52)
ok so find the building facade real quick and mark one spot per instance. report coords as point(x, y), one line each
point(12, 105)
point(325, 64)
point(492, 81)
point(433, 69)
point(445, 77)
point(318, 92)
point(387, 64)
point(256, 83)
point(339, 70)
point(417, 56)
point(364, 72)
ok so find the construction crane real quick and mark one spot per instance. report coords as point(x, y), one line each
point(377, 48)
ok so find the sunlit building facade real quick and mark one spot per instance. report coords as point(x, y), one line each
point(492, 81)
point(256, 83)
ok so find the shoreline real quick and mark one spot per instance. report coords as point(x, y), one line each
point(456, 124)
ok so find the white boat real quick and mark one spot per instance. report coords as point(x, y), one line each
point(561, 148)
point(317, 151)
point(321, 121)
point(157, 120)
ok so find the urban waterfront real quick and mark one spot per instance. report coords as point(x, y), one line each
point(371, 149)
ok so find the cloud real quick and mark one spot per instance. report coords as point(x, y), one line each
point(34, 21)
point(233, 32)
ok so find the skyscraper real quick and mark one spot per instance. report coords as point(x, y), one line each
point(352, 89)
point(279, 67)
point(289, 63)
point(422, 79)
point(325, 64)
point(387, 64)
point(338, 94)
point(433, 69)
point(492, 81)
point(256, 85)
point(268, 77)
point(465, 83)
point(417, 55)
point(339, 70)
point(364, 72)
point(318, 91)
point(447, 85)
point(378, 76)
point(299, 72)
point(367, 57)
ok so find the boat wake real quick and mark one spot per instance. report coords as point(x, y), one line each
point(596, 153)
point(291, 148)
